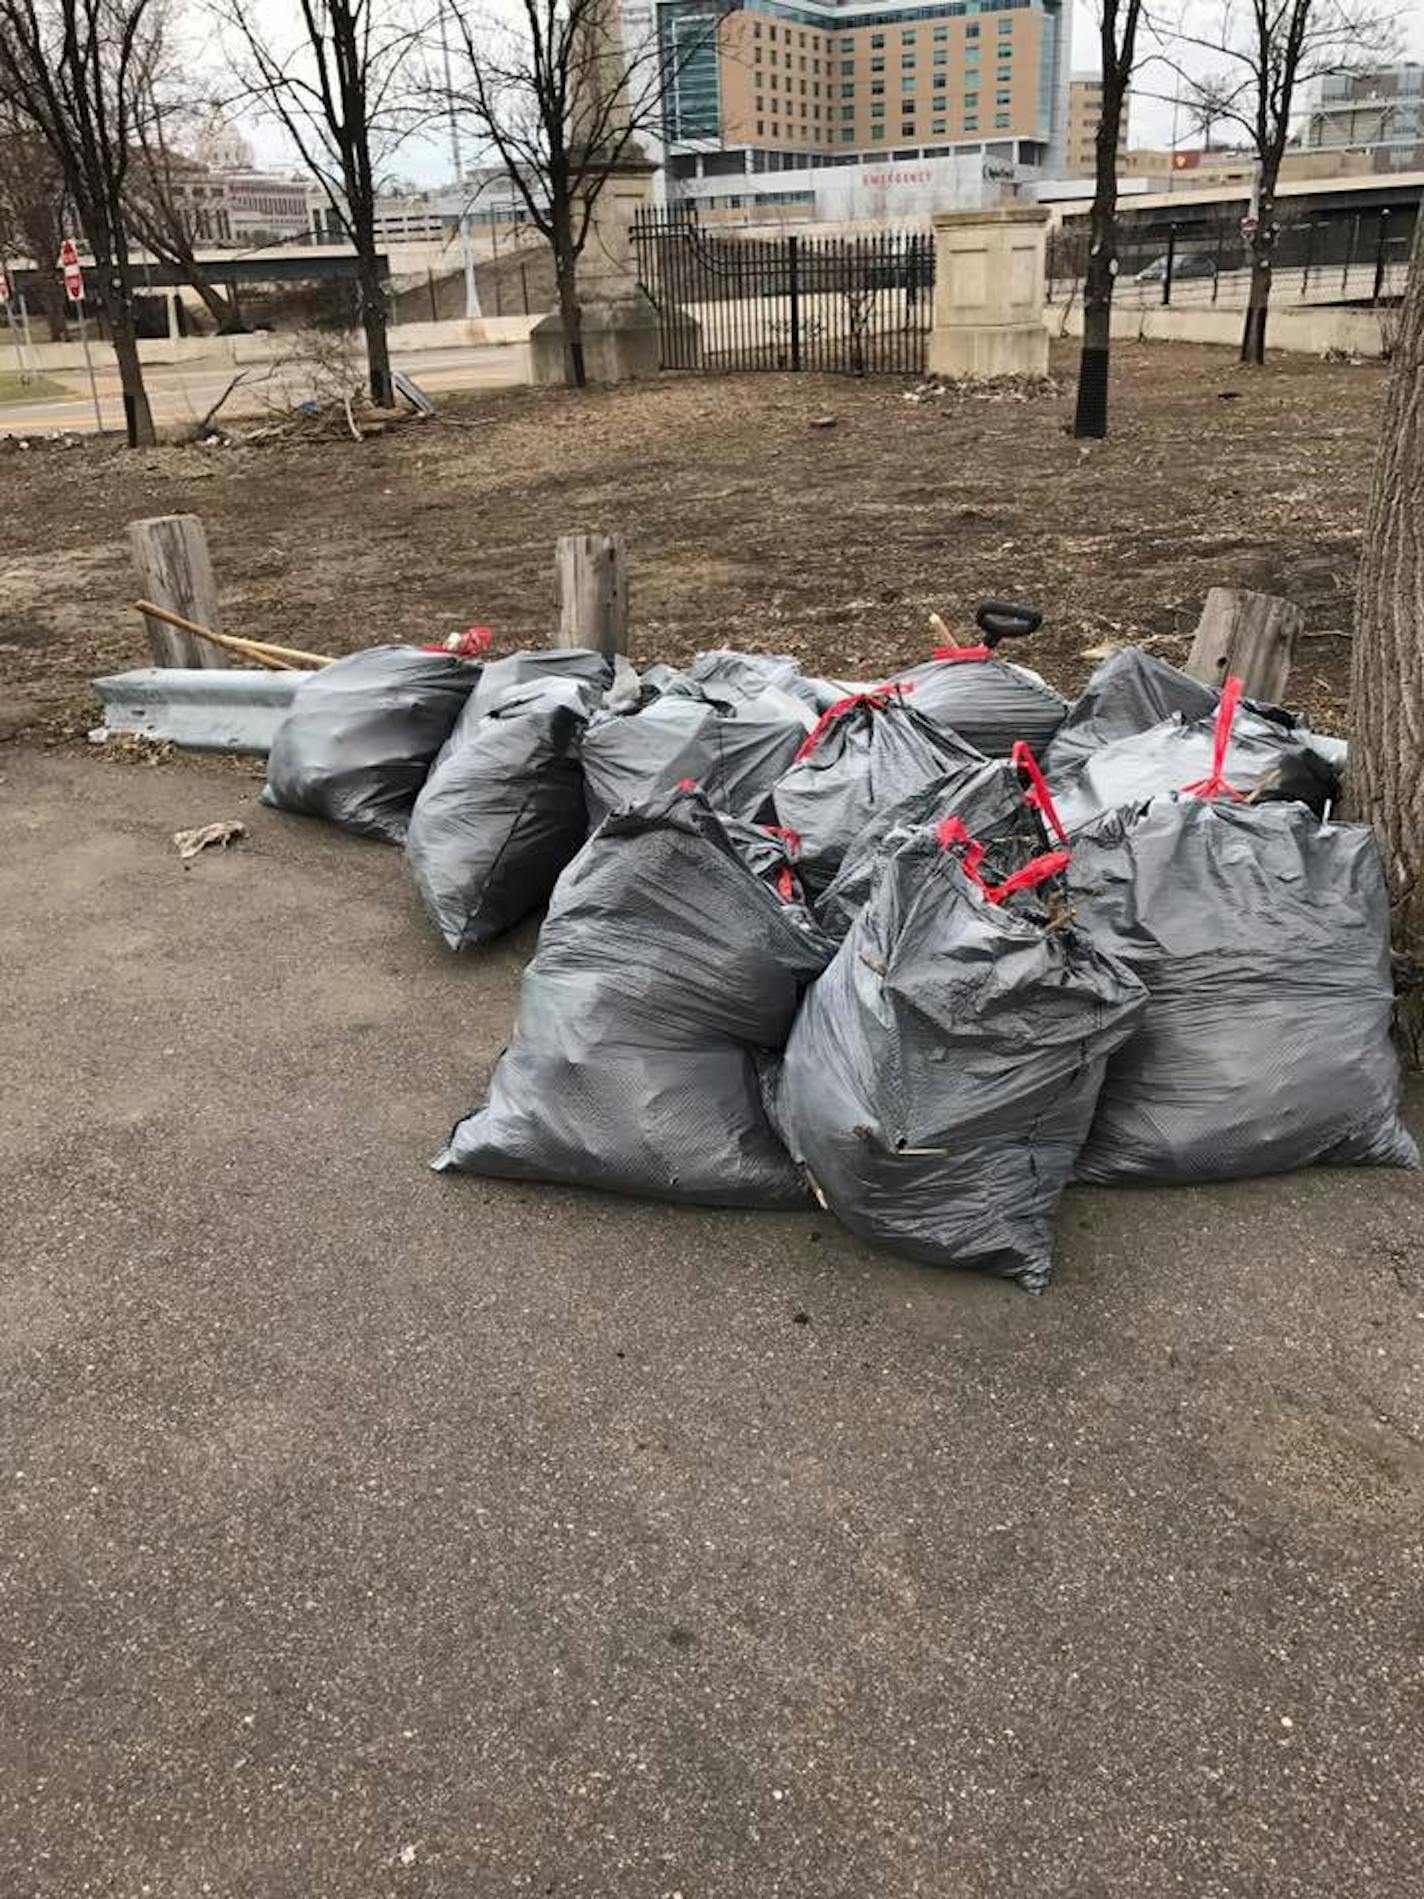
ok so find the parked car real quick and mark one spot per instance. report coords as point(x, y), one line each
point(1186, 265)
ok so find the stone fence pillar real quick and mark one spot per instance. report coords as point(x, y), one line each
point(989, 293)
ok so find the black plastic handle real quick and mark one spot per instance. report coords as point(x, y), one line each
point(1004, 620)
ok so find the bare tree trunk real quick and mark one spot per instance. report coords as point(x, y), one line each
point(570, 309)
point(1263, 244)
point(1387, 680)
point(1091, 417)
point(117, 299)
point(372, 297)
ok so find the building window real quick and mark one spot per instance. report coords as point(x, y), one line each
point(847, 68)
point(771, 32)
point(941, 59)
point(761, 128)
point(877, 65)
point(941, 80)
point(907, 38)
point(941, 33)
point(848, 135)
point(907, 130)
point(907, 82)
point(877, 86)
point(847, 92)
point(848, 46)
point(756, 32)
point(761, 105)
point(877, 39)
point(971, 32)
point(1006, 26)
point(1001, 119)
point(775, 129)
point(907, 60)
point(877, 131)
point(877, 108)
point(939, 127)
point(971, 102)
point(1003, 98)
point(847, 111)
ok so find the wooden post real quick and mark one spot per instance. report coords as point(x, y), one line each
point(1250, 635)
point(171, 565)
point(593, 592)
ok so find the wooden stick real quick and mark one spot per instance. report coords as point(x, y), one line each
point(288, 657)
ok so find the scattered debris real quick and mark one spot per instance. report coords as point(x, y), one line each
point(984, 389)
point(224, 832)
point(1103, 650)
point(132, 748)
point(823, 421)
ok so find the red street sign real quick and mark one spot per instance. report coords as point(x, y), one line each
point(73, 275)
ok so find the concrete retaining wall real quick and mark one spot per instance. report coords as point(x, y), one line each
point(1311, 332)
point(263, 346)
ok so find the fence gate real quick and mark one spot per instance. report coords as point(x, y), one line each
point(859, 305)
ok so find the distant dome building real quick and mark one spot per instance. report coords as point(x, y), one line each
point(221, 146)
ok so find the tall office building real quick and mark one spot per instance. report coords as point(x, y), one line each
point(1085, 112)
point(939, 95)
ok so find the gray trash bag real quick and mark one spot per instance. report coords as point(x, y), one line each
point(726, 677)
point(735, 754)
point(362, 734)
point(501, 813)
point(941, 1075)
point(866, 753)
point(988, 800)
point(1263, 939)
point(1129, 693)
point(1167, 759)
point(578, 663)
point(667, 975)
point(988, 702)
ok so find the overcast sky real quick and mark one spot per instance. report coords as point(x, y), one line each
point(1153, 117)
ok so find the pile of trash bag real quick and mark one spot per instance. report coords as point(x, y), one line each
point(809, 938)
point(363, 733)
point(668, 973)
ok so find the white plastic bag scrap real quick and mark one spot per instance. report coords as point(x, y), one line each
point(865, 753)
point(667, 975)
point(1262, 936)
point(942, 1074)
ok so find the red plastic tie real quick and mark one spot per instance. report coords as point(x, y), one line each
point(1038, 795)
point(467, 645)
point(1037, 871)
point(686, 784)
point(955, 654)
point(875, 700)
point(1217, 784)
point(952, 831)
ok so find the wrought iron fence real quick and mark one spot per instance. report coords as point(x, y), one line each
point(1352, 258)
point(856, 305)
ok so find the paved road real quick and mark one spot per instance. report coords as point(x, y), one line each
point(184, 392)
point(366, 1533)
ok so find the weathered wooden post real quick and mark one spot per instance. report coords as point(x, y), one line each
point(1250, 635)
point(172, 568)
point(593, 592)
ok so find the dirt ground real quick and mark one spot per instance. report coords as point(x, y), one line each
point(747, 523)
